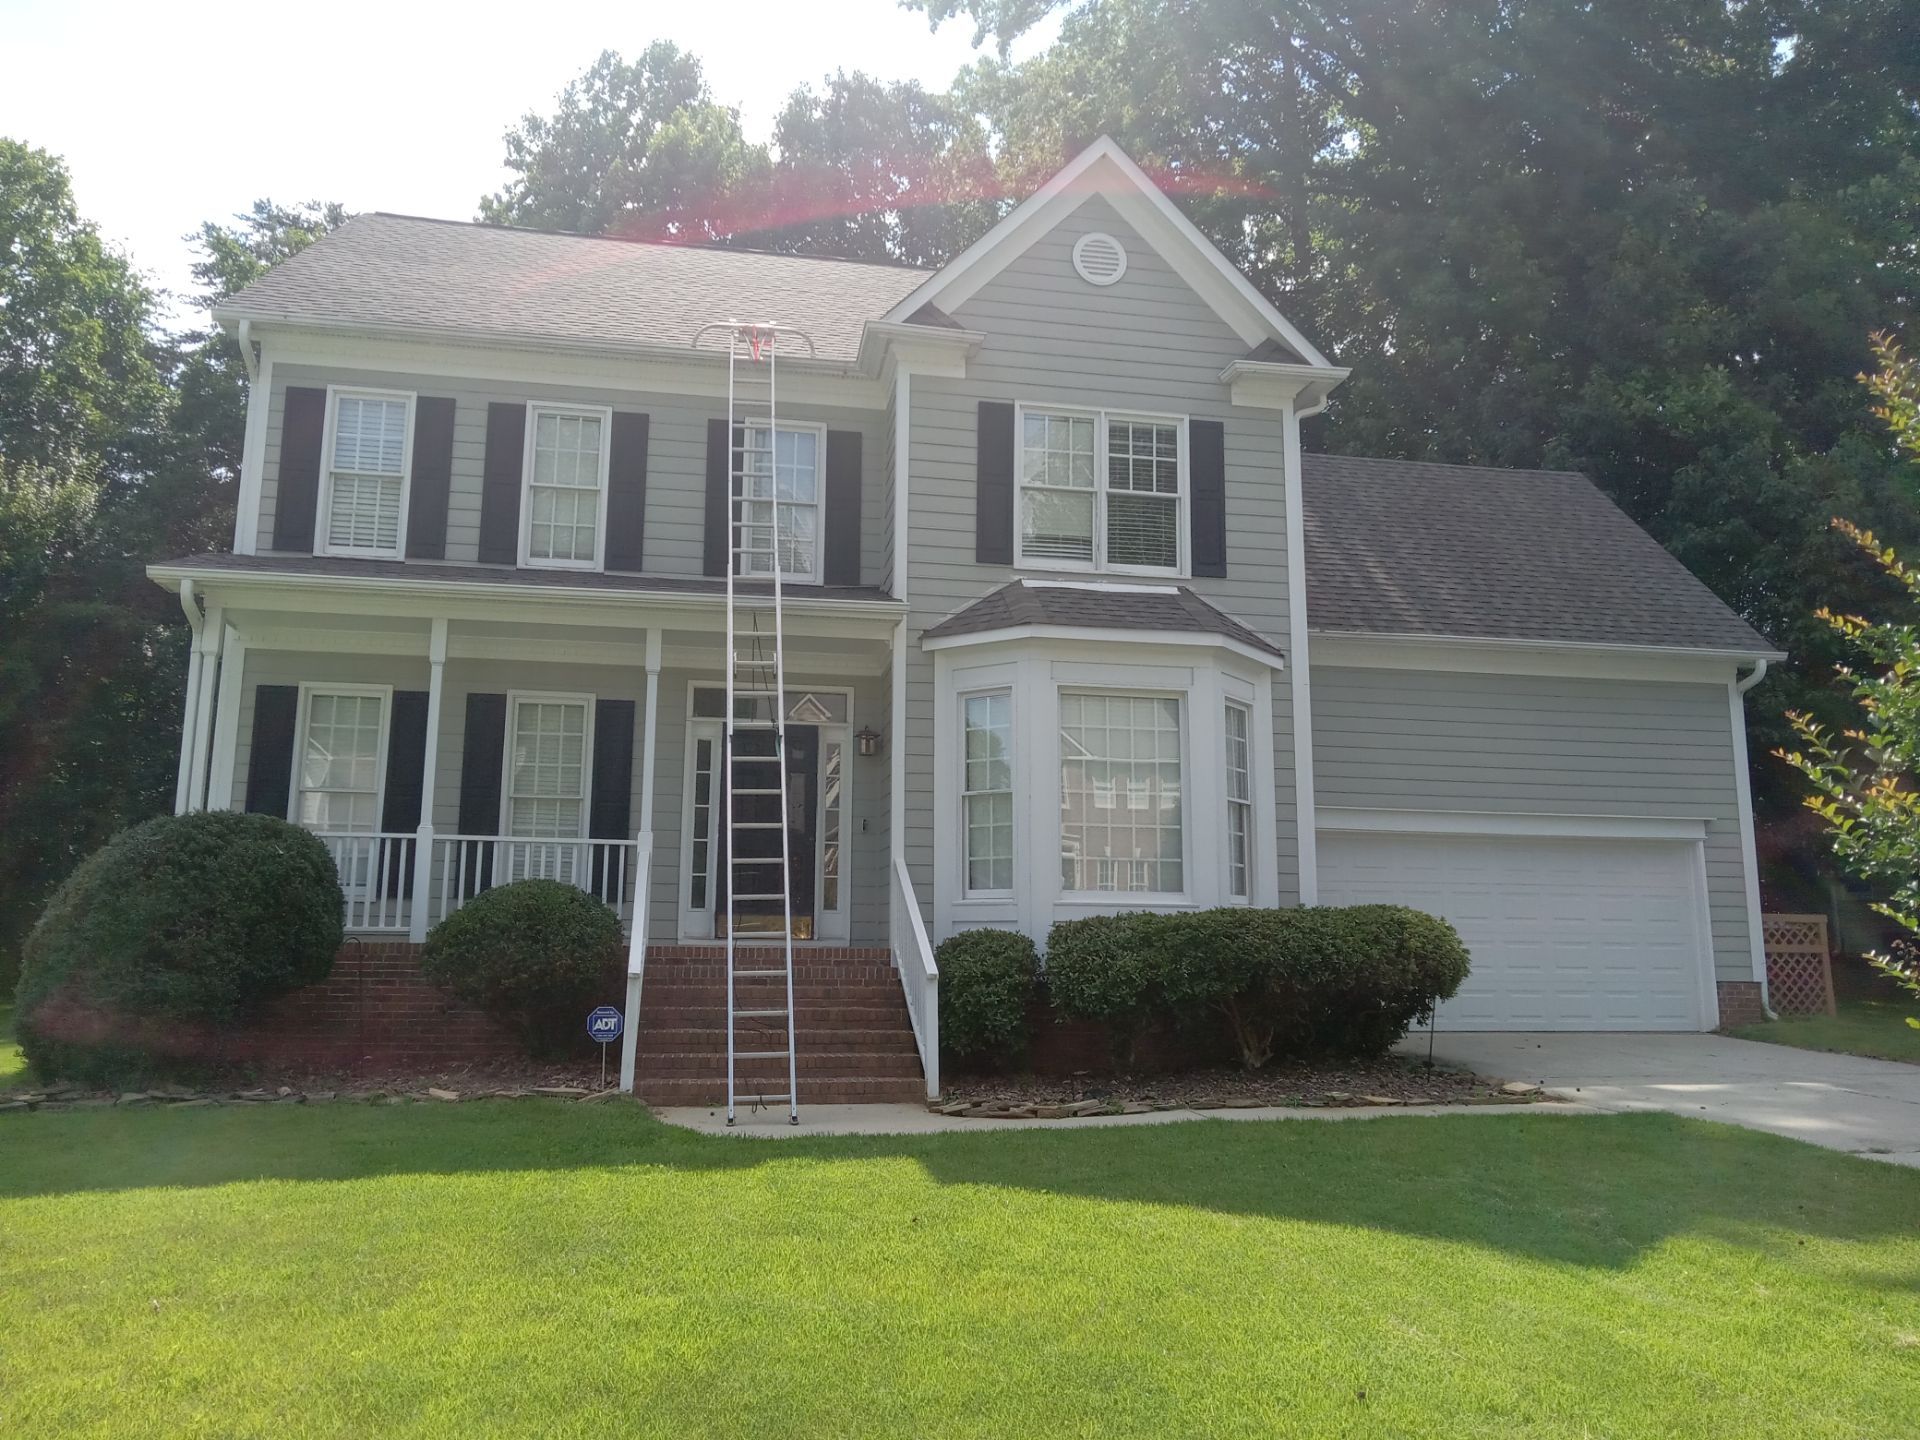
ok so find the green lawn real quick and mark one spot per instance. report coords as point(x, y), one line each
point(537, 1268)
point(1863, 1027)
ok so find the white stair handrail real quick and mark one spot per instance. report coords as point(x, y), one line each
point(919, 974)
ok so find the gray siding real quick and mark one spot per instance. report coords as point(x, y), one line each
point(1147, 343)
point(867, 819)
point(676, 460)
point(1522, 744)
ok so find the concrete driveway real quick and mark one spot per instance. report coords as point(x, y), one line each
point(1867, 1107)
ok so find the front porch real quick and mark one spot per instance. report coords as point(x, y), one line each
point(440, 745)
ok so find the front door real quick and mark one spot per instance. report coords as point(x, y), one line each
point(754, 871)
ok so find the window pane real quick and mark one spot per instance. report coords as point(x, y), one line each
point(987, 791)
point(832, 766)
point(1120, 794)
point(1143, 458)
point(547, 779)
point(339, 764)
point(364, 512)
point(564, 493)
point(1239, 759)
point(1143, 530)
point(1056, 526)
point(369, 435)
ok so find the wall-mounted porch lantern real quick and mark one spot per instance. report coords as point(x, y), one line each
point(868, 741)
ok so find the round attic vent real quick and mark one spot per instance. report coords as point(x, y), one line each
point(1098, 258)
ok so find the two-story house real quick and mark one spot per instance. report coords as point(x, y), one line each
point(1071, 622)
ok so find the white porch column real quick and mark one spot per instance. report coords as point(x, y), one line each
point(643, 868)
point(212, 633)
point(430, 763)
point(191, 706)
point(226, 723)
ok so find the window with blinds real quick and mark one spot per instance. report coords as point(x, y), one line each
point(366, 473)
point(1101, 492)
point(547, 773)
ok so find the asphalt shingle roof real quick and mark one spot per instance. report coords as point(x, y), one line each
point(1401, 547)
point(380, 269)
point(1175, 610)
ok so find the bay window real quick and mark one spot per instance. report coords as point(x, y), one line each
point(1101, 491)
point(986, 792)
point(365, 489)
point(1112, 744)
point(1239, 799)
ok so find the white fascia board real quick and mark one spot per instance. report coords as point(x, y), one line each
point(408, 596)
point(1565, 826)
point(1528, 657)
point(1094, 635)
point(963, 276)
point(530, 359)
point(1273, 385)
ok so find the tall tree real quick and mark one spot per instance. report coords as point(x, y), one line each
point(634, 148)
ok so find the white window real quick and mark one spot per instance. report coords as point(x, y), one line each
point(363, 505)
point(550, 744)
point(783, 465)
point(1239, 758)
point(1100, 491)
point(566, 487)
point(986, 791)
point(1130, 744)
point(337, 780)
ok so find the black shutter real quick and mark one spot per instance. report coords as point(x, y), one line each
point(482, 753)
point(841, 512)
point(298, 493)
point(270, 757)
point(500, 485)
point(1207, 469)
point(718, 544)
point(626, 491)
point(610, 811)
point(406, 777)
point(432, 476)
point(993, 485)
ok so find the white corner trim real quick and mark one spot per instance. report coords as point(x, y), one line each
point(965, 274)
point(902, 468)
point(1749, 853)
point(1306, 835)
point(1095, 635)
point(1568, 826)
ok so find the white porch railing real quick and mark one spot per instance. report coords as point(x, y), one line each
point(382, 883)
point(919, 975)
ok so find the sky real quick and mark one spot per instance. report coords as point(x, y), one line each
point(172, 112)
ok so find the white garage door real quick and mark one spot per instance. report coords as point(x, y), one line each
point(1565, 934)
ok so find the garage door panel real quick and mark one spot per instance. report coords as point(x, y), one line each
point(1565, 934)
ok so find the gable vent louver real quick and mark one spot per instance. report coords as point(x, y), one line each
point(1098, 258)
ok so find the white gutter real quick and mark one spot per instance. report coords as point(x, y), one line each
point(244, 335)
point(1759, 674)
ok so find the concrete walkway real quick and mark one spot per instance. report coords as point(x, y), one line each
point(1844, 1102)
point(918, 1120)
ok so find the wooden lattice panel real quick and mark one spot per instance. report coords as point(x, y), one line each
point(1799, 970)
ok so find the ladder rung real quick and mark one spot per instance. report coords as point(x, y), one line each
point(759, 1099)
point(760, 1054)
point(738, 791)
point(756, 1014)
point(776, 895)
point(758, 825)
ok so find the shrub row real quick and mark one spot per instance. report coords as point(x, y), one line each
point(1250, 984)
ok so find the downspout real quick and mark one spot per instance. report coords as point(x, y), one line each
point(190, 605)
point(245, 336)
point(1749, 851)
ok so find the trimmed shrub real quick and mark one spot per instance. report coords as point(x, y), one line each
point(532, 954)
point(196, 919)
point(986, 979)
point(1345, 981)
point(1109, 968)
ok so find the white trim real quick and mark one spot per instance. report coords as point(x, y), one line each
point(1300, 694)
point(516, 698)
point(602, 413)
point(1565, 826)
point(1093, 635)
point(1528, 657)
point(1709, 993)
point(1278, 385)
point(323, 502)
point(226, 723)
point(310, 688)
point(212, 636)
point(1202, 265)
point(190, 701)
point(1749, 854)
point(253, 452)
point(1103, 420)
point(1108, 587)
point(902, 444)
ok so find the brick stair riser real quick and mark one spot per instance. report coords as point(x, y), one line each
point(652, 994)
point(812, 1092)
point(838, 1017)
point(864, 1067)
point(713, 1041)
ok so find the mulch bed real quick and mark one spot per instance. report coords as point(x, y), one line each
point(1394, 1081)
point(502, 1080)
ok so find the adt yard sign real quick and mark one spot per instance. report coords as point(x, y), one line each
point(605, 1025)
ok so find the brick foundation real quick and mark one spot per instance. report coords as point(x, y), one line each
point(1740, 1003)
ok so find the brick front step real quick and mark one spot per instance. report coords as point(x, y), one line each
point(712, 1016)
point(825, 1091)
point(772, 992)
point(711, 1040)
